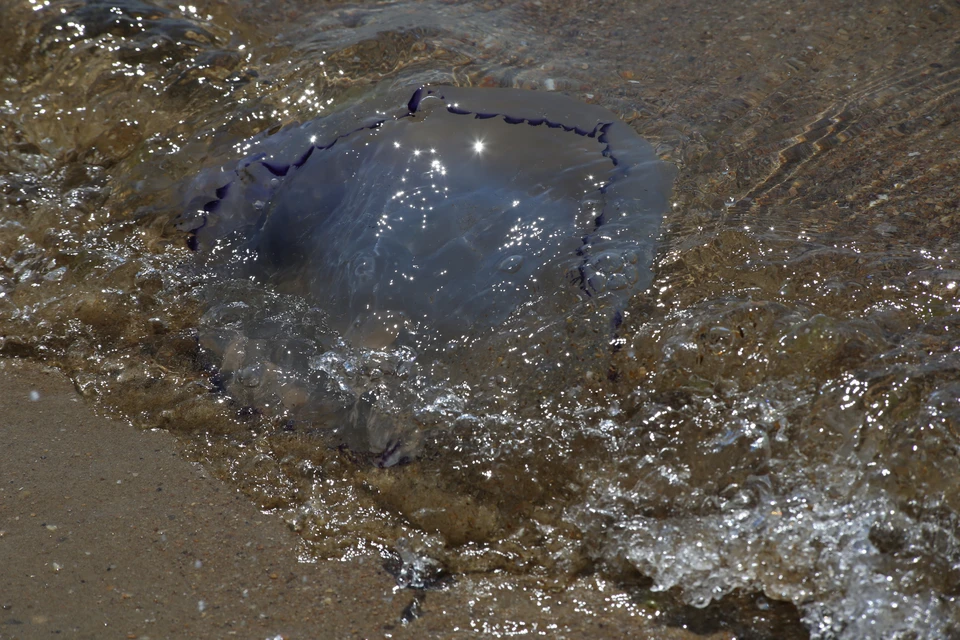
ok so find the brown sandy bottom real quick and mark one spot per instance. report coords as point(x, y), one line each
point(110, 532)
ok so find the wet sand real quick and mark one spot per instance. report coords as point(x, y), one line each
point(109, 532)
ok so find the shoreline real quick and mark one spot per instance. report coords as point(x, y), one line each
point(108, 531)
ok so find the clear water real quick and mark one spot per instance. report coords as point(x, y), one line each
point(780, 423)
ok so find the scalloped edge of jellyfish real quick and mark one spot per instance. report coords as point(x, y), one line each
point(599, 132)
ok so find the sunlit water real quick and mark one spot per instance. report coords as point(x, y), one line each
point(778, 421)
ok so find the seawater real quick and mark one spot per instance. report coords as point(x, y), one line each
point(777, 427)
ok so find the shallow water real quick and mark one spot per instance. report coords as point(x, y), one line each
point(778, 424)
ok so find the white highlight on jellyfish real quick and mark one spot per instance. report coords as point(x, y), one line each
point(478, 146)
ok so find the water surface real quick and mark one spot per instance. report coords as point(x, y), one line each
point(776, 429)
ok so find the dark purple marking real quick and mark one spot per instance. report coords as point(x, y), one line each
point(279, 170)
point(415, 99)
point(303, 159)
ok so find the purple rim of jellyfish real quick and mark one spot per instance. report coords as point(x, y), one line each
point(281, 195)
point(280, 170)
